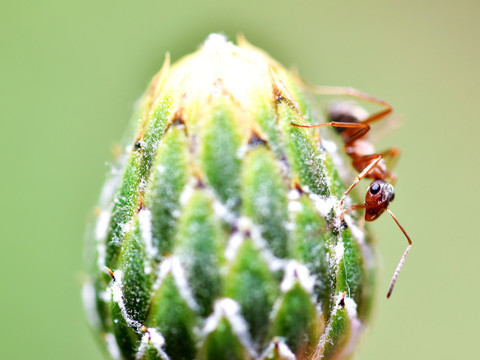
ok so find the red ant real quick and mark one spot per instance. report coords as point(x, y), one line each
point(346, 119)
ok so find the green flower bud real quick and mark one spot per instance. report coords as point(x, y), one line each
point(218, 235)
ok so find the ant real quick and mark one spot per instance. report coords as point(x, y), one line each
point(352, 123)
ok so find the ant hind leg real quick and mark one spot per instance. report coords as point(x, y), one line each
point(362, 128)
point(348, 91)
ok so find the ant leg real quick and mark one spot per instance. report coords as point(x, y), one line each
point(348, 91)
point(391, 157)
point(362, 128)
point(356, 207)
point(360, 162)
point(357, 180)
point(393, 178)
point(402, 259)
point(360, 177)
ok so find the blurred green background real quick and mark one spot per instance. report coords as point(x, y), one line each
point(70, 72)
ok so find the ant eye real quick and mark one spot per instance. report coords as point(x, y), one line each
point(374, 188)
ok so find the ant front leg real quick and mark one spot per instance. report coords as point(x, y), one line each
point(360, 176)
point(354, 207)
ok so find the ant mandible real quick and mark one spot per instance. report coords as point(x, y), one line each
point(346, 119)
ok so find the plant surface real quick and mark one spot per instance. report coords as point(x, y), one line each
point(218, 235)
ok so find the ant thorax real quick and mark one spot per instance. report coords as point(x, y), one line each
point(360, 147)
point(361, 151)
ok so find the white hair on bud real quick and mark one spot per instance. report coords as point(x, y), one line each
point(230, 310)
point(297, 273)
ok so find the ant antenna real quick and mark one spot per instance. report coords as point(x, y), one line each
point(402, 259)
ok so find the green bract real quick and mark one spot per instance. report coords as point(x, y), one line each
point(220, 222)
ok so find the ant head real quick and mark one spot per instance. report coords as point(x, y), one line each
point(378, 197)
